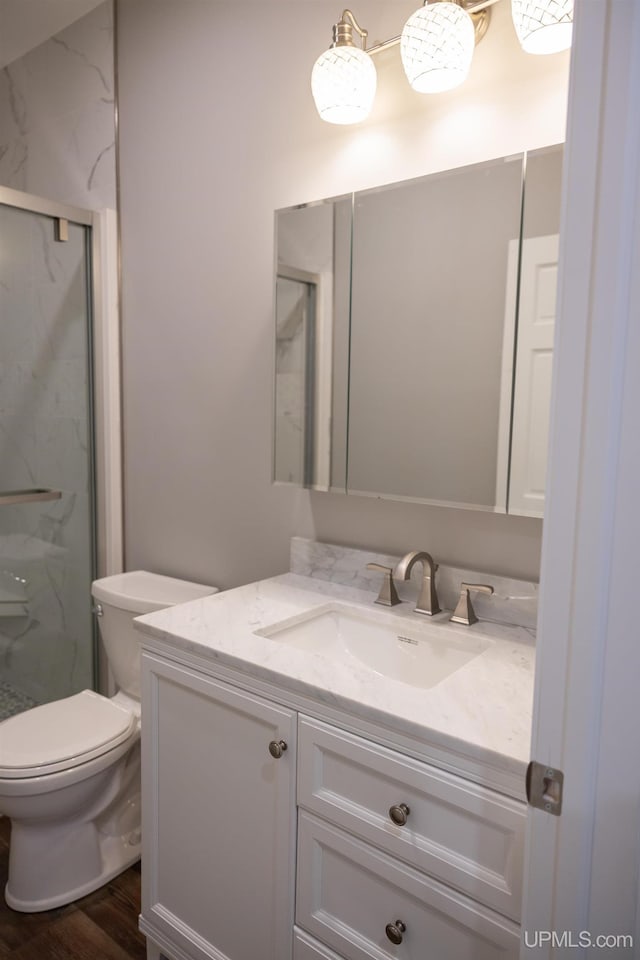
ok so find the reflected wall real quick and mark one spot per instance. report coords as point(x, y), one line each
point(429, 280)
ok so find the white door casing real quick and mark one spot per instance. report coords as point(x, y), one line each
point(581, 870)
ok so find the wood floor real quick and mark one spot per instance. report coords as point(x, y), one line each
point(102, 926)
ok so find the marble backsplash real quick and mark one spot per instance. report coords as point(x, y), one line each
point(513, 601)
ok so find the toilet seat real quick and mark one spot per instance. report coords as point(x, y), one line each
point(60, 735)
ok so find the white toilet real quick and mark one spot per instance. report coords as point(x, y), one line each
point(70, 770)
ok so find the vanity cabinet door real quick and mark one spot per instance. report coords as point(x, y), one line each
point(218, 817)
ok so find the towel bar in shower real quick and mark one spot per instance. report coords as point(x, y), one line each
point(33, 495)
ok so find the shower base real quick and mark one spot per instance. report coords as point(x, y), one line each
point(12, 701)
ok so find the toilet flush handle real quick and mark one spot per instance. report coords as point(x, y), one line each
point(97, 609)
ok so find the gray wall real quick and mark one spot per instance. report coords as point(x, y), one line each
point(218, 129)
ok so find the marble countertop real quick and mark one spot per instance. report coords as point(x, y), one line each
point(482, 711)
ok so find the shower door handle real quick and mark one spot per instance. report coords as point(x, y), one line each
point(33, 495)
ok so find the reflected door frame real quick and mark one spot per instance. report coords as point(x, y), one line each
point(318, 378)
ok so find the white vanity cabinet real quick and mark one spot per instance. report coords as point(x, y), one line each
point(458, 832)
point(218, 831)
point(378, 832)
point(372, 845)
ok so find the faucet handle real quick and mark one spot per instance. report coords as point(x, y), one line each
point(464, 612)
point(388, 595)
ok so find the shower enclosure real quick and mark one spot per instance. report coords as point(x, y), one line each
point(47, 509)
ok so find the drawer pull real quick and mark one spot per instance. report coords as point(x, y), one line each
point(399, 813)
point(277, 748)
point(394, 931)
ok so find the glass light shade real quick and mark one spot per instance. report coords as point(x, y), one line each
point(543, 26)
point(343, 83)
point(437, 46)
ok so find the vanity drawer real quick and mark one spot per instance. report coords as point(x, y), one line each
point(308, 948)
point(348, 893)
point(461, 833)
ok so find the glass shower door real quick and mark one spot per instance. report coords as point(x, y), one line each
point(46, 538)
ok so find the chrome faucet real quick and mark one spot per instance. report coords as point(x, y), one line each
point(427, 598)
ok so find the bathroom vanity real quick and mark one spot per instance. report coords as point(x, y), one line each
point(299, 804)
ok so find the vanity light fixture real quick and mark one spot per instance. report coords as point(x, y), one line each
point(543, 26)
point(436, 47)
point(343, 79)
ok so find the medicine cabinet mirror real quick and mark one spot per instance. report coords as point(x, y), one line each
point(414, 337)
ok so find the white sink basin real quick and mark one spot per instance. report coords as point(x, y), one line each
point(420, 654)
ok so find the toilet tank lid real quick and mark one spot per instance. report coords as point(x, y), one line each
point(139, 591)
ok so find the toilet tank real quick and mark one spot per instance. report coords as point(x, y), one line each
point(123, 596)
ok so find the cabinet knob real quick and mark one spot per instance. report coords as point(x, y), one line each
point(399, 813)
point(394, 931)
point(277, 748)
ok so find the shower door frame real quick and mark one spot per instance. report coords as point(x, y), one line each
point(105, 379)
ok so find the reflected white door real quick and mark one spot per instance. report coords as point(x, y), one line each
point(534, 362)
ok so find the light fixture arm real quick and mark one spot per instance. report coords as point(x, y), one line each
point(343, 31)
point(477, 6)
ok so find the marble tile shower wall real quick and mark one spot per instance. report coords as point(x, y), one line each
point(57, 116)
point(57, 140)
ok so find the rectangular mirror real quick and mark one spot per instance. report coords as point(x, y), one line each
point(414, 337)
point(312, 290)
point(429, 278)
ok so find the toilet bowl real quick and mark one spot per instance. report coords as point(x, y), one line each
point(70, 770)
